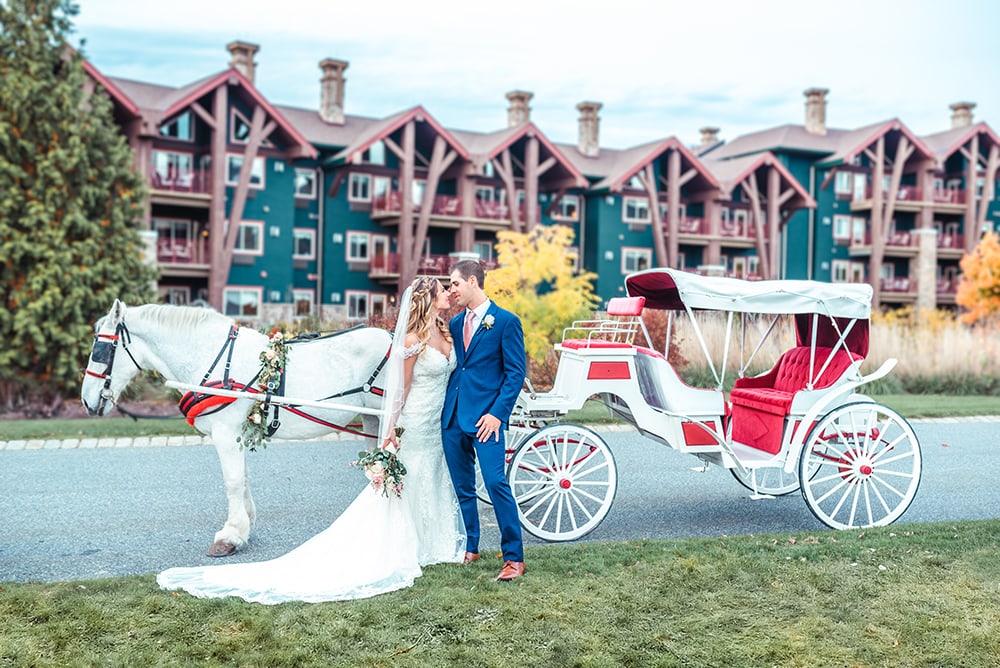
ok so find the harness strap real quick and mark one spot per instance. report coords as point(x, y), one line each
point(229, 344)
point(369, 384)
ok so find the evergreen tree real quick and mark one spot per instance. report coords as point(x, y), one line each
point(69, 202)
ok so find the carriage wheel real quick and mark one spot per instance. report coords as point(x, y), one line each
point(770, 480)
point(860, 466)
point(564, 480)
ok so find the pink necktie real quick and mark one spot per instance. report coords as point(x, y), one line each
point(467, 333)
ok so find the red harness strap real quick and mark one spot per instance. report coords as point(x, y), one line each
point(195, 404)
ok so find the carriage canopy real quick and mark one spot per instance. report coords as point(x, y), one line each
point(846, 306)
point(673, 289)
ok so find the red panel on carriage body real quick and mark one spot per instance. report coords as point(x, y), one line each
point(577, 344)
point(608, 371)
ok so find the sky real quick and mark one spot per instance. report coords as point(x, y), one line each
point(660, 68)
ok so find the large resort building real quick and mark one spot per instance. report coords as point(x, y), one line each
point(335, 212)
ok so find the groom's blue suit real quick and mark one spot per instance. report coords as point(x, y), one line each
point(487, 379)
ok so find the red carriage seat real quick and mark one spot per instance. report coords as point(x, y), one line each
point(760, 404)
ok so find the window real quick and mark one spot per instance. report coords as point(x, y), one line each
point(250, 238)
point(178, 296)
point(303, 300)
point(842, 227)
point(636, 259)
point(242, 302)
point(358, 246)
point(359, 188)
point(840, 271)
point(635, 183)
point(635, 210)
point(859, 230)
point(178, 128)
point(375, 155)
point(233, 165)
point(171, 168)
point(305, 183)
point(417, 189)
point(843, 183)
point(484, 249)
point(239, 128)
point(484, 194)
point(382, 185)
point(568, 209)
point(303, 244)
point(377, 304)
point(488, 169)
point(357, 305)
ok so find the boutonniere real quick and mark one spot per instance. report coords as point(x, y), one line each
point(488, 322)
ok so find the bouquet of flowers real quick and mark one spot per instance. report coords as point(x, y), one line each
point(273, 360)
point(383, 468)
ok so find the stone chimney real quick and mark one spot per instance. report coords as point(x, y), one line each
point(961, 114)
point(243, 53)
point(816, 110)
point(709, 136)
point(590, 123)
point(331, 103)
point(518, 113)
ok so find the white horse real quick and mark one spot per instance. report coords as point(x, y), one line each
point(186, 344)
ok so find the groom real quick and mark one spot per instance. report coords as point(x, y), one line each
point(489, 345)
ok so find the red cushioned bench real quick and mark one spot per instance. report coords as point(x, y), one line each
point(760, 404)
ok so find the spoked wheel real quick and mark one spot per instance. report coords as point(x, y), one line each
point(770, 480)
point(564, 479)
point(860, 466)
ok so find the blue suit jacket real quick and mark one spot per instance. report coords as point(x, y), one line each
point(489, 375)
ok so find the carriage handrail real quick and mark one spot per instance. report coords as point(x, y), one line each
point(819, 408)
point(275, 399)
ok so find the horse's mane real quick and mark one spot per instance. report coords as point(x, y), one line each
point(182, 317)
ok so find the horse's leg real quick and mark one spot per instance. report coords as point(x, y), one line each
point(242, 512)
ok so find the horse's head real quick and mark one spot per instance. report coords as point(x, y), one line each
point(100, 388)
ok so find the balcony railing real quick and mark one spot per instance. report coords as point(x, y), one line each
point(186, 182)
point(898, 284)
point(901, 239)
point(947, 286)
point(908, 193)
point(430, 265)
point(447, 205)
point(180, 252)
point(956, 241)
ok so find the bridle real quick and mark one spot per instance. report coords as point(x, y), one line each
point(103, 352)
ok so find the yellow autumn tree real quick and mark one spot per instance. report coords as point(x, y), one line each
point(979, 287)
point(536, 280)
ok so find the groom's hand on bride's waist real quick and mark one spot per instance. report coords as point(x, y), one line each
point(488, 428)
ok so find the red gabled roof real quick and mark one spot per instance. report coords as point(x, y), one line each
point(630, 161)
point(944, 144)
point(730, 173)
point(381, 129)
point(191, 93)
point(492, 144)
point(853, 143)
point(116, 93)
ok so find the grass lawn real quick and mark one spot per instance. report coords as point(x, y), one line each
point(924, 596)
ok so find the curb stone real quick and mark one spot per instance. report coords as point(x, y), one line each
point(176, 441)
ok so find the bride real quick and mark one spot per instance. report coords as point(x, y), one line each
point(378, 544)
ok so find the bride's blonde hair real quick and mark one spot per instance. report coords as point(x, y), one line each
point(422, 316)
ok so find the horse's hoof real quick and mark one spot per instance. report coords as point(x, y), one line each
point(221, 548)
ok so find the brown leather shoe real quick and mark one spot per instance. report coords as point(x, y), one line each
point(511, 570)
point(470, 557)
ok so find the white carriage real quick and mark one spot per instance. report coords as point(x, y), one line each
point(801, 425)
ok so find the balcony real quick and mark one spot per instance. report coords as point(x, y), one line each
point(180, 257)
point(446, 207)
point(947, 286)
point(387, 266)
point(900, 284)
point(181, 182)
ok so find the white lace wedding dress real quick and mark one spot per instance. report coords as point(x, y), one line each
point(378, 544)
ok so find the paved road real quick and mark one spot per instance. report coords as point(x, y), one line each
point(73, 513)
